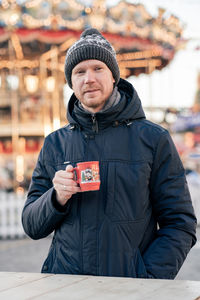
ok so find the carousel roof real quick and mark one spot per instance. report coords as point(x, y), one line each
point(143, 43)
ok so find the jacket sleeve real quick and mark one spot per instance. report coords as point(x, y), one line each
point(41, 213)
point(173, 211)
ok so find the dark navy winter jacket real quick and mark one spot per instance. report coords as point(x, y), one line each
point(141, 223)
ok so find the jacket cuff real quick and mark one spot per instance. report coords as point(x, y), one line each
point(57, 205)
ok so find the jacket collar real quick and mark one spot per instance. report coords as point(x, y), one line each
point(128, 109)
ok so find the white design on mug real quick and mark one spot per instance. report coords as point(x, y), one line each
point(89, 175)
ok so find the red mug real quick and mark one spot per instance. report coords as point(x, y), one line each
point(87, 175)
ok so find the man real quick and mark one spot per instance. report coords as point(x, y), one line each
point(141, 222)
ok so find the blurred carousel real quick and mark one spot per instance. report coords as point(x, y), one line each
point(34, 38)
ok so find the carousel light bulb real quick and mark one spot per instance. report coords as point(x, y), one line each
point(88, 10)
point(20, 168)
point(31, 82)
point(13, 81)
point(13, 19)
point(50, 84)
point(20, 191)
point(5, 4)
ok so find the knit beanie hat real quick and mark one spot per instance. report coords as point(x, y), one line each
point(91, 45)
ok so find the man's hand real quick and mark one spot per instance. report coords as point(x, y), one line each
point(64, 185)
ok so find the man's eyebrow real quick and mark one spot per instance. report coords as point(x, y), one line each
point(78, 68)
point(98, 65)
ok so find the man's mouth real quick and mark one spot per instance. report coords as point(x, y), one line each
point(91, 91)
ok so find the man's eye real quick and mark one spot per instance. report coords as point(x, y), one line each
point(80, 71)
point(98, 68)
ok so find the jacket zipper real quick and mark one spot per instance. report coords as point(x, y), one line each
point(95, 127)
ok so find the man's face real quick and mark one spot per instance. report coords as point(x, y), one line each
point(92, 83)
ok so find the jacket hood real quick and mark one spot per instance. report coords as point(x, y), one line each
point(127, 110)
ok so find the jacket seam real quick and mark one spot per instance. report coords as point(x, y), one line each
point(125, 161)
point(126, 221)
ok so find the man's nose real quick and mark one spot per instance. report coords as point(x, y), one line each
point(89, 76)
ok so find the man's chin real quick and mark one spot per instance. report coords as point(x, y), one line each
point(92, 102)
point(92, 106)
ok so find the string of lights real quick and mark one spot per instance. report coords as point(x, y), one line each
point(124, 18)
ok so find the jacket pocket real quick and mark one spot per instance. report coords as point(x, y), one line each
point(127, 191)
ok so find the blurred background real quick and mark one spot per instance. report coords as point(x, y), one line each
point(158, 51)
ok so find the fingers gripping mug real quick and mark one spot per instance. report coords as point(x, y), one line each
point(87, 175)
